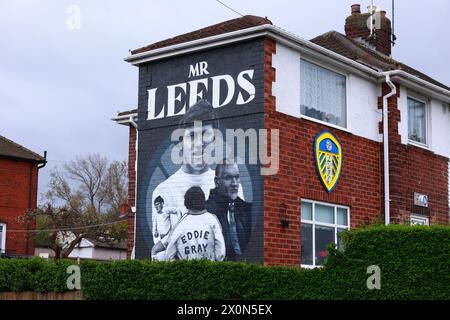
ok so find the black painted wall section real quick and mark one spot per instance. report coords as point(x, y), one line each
point(154, 150)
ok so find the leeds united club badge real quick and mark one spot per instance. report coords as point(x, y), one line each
point(328, 158)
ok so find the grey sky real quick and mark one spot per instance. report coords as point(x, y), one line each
point(59, 88)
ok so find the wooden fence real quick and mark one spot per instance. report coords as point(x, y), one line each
point(28, 295)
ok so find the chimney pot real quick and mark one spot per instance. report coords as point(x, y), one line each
point(356, 9)
point(123, 208)
point(371, 9)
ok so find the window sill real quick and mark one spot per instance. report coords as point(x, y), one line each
point(334, 126)
point(419, 145)
point(308, 266)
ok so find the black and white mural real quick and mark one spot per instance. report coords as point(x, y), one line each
point(200, 189)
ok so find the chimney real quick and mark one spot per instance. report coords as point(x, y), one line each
point(356, 9)
point(123, 209)
point(357, 27)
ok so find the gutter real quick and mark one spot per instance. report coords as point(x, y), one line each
point(195, 45)
point(292, 41)
point(268, 30)
point(387, 196)
point(298, 43)
point(125, 119)
point(419, 84)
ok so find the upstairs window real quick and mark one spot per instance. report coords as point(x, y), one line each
point(417, 121)
point(322, 94)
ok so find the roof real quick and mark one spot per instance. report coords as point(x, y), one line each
point(332, 40)
point(11, 149)
point(120, 245)
point(126, 113)
point(244, 22)
point(356, 51)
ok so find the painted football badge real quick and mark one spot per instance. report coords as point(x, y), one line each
point(328, 158)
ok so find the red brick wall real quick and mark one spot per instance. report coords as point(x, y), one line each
point(361, 185)
point(358, 187)
point(14, 203)
point(413, 169)
point(131, 187)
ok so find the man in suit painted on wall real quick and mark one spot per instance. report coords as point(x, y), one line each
point(232, 211)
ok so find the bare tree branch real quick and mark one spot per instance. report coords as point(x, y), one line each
point(86, 192)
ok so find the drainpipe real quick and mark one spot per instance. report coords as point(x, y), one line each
point(134, 124)
point(30, 201)
point(387, 196)
point(30, 198)
point(40, 166)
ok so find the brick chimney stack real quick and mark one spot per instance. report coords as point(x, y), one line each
point(356, 27)
point(123, 210)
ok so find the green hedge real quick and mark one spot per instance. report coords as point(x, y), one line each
point(200, 279)
point(34, 274)
point(414, 264)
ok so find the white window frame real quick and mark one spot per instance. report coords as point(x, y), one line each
point(3, 240)
point(420, 218)
point(313, 222)
point(332, 69)
point(427, 105)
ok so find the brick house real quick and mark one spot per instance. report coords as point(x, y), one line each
point(394, 171)
point(19, 169)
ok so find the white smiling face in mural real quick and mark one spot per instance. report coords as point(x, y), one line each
point(195, 143)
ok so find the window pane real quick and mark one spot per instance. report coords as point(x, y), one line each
point(416, 121)
point(307, 244)
point(324, 236)
point(342, 217)
point(421, 221)
point(324, 213)
point(340, 245)
point(322, 94)
point(1, 237)
point(306, 211)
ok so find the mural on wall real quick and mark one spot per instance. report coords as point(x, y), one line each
point(328, 158)
point(198, 196)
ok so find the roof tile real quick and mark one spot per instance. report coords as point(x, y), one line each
point(214, 30)
point(356, 51)
point(11, 149)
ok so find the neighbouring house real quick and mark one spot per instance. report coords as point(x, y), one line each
point(19, 169)
point(97, 250)
point(335, 134)
point(91, 249)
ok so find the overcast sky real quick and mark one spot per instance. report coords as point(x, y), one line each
point(59, 87)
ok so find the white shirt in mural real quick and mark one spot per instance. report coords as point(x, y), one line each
point(162, 224)
point(196, 236)
point(174, 188)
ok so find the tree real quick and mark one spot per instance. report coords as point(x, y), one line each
point(82, 202)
